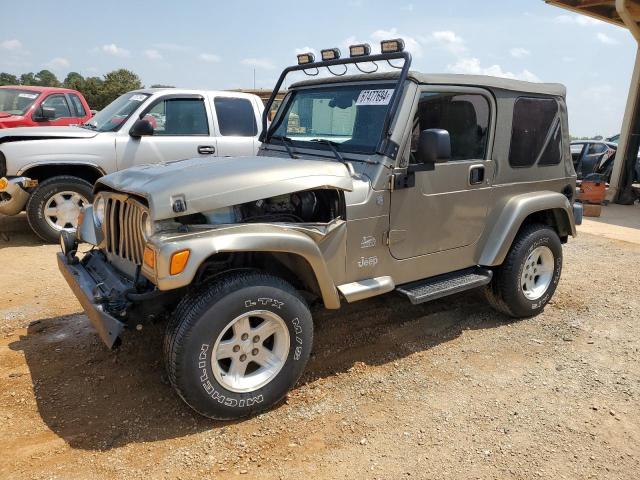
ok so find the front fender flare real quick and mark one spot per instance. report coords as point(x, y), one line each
point(498, 240)
point(238, 238)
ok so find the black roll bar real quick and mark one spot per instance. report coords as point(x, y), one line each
point(395, 98)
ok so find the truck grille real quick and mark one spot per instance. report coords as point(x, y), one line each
point(123, 234)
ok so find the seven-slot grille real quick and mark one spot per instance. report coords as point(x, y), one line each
point(124, 236)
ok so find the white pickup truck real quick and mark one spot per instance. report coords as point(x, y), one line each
point(50, 171)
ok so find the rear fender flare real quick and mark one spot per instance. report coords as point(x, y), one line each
point(497, 242)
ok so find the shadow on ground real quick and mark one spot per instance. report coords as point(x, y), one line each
point(98, 399)
point(15, 231)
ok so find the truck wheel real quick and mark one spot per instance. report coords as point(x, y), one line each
point(528, 278)
point(236, 347)
point(55, 204)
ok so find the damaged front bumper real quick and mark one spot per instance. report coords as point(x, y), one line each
point(95, 284)
point(14, 194)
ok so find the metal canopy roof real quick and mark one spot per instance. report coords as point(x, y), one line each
point(601, 9)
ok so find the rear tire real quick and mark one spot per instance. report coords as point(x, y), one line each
point(526, 281)
point(236, 347)
point(64, 193)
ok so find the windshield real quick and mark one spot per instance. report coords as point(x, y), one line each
point(351, 116)
point(117, 112)
point(16, 101)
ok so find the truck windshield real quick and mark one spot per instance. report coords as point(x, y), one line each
point(16, 101)
point(351, 117)
point(117, 112)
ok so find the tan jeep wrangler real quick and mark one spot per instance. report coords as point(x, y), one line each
point(423, 184)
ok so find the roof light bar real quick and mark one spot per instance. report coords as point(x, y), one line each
point(305, 58)
point(330, 54)
point(360, 50)
point(392, 46)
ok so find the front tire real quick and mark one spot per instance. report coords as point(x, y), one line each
point(236, 347)
point(55, 204)
point(526, 281)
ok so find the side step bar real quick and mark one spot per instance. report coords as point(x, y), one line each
point(437, 287)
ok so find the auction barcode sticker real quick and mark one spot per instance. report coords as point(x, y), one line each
point(28, 95)
point(375, 97)
point(138, 98)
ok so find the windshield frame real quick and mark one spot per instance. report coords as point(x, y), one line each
point(91, 123)
point(386, 146)
point(312, 143)
point(19, 91)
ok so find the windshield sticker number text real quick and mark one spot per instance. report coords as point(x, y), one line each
point(375, 97)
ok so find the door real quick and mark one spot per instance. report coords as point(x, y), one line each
point(447, 206)
point(180, 130)
point(236, 125)
point(63, 114)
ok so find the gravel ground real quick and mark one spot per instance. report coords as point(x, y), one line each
point(445, 390)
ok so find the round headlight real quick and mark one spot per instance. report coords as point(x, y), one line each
point(147, 226)
point(98, 210)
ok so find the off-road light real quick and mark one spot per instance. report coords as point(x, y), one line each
point(179, 261)
point(98, 211)
point(330, 54)
point(392, 46)
point(304, 58)
point(360, 50)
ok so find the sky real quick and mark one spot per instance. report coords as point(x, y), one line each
point(220, 45)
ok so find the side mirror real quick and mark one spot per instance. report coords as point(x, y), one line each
point(434, 146)
point(142, 128)
point(44, 114)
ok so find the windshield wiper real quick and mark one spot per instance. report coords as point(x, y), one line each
point(334, 148)
point(87, 125)
point(286, 141)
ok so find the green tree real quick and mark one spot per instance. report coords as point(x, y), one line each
point(8, 79)
point(92, 91)
point(46, 78)
point(74, 81)
point(28, 79)
point(159, 85)
point(116, 83)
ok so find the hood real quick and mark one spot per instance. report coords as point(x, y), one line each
point(207, 184)
point(44, 133)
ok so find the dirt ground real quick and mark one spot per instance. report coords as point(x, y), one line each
point(445, 390)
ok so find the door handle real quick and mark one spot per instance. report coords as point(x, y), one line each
point(206, 149)
point(476, 174)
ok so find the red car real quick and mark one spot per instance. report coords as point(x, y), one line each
point(27, 106)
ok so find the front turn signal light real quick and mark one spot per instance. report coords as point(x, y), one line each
point(149, 258)
point(179, 261)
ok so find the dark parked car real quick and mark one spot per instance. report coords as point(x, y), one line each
point(616, 139)
point(593, 156)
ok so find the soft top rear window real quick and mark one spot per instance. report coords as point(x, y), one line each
point(536, 126)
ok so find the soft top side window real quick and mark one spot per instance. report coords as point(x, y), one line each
point(535, 132)
point(464, 115)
